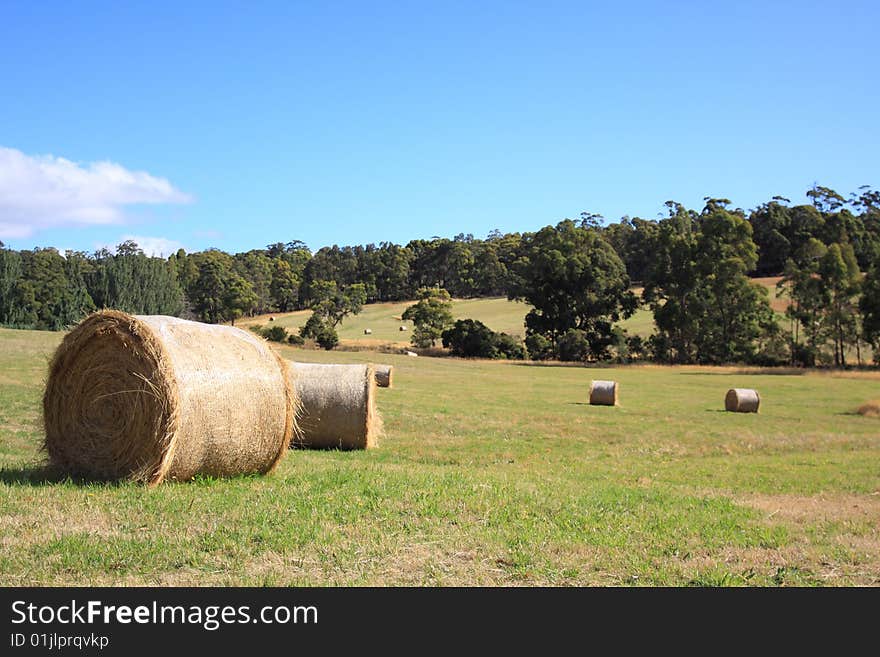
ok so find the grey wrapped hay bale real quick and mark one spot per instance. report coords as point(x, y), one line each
point(603, 393)
point(148, 398)
point(338, 406)
point(384, 376)
point(742, 400)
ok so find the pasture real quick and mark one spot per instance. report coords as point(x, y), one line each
point(489, 473)
point(499, 314)
point(384, 320)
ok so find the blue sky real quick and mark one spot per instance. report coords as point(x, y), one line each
point(235, 125)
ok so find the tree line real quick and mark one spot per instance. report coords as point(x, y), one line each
point(694, 267)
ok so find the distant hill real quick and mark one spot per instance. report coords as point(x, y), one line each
point(499, 314)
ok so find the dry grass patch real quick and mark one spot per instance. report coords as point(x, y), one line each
point(816, 508)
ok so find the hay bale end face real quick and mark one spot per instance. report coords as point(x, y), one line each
point(603, 393)
point(148, 398)
point(338, 406)
point(742, 400)
point(384, 376)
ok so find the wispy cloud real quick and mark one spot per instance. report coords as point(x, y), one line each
point(45, 191)
point(161, 247)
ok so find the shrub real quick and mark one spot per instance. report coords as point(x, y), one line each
point(539, 347)
point(509, 347)
point(636, 347)
point(470, 338)
point(275, 333)
point(314, 326)
point(327, 338)
point(295, 339)
point(574, 346)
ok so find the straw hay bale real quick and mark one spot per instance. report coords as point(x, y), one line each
point(603, 393)
point(870, 409)
point(148, 398)
point(742, 400)
point(402, 328)
point(368, 331)
point(384, 376)
point(338, 406)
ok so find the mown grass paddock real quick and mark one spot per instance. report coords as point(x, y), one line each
point(489, 473)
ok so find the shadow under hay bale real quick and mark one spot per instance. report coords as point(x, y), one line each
point(742, 400)
point(148, 398)
point(338, 406)
point(603, 393)
point(384, 376)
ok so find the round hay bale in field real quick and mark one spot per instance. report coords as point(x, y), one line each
point(870, 409)
point(402, 328)
point(742, 400)
point(603, 393)
point(148, 398)
point(384, 375)
point(338, 406)
point(368, 331)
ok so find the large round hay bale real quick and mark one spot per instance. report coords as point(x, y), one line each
point(870, 409)
point(603, 393)
point(742, 400)
point(384, 376)
point(338, 406)
point(148, 398)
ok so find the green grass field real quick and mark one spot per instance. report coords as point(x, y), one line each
point(489, 473)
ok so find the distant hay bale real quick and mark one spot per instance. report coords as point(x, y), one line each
point(742, 400)
point(338, 406)
point(603, 393)
point(402, 328)
point(149, 398)
point(411, 353)
point(870, 409)
point(368, 331)
point(384, 375)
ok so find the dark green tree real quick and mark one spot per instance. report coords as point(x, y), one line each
point(705, 308)
point(869, 307)
point(284, 287)
point(574, 280)
point(333, 303)
point(430, 316)
point(470, 338)
point(840, 282)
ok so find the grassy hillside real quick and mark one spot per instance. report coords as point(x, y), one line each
point(499, 314)
point(489, 473)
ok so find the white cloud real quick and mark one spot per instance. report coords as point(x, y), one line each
point(45, 191)
point(161, 247)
